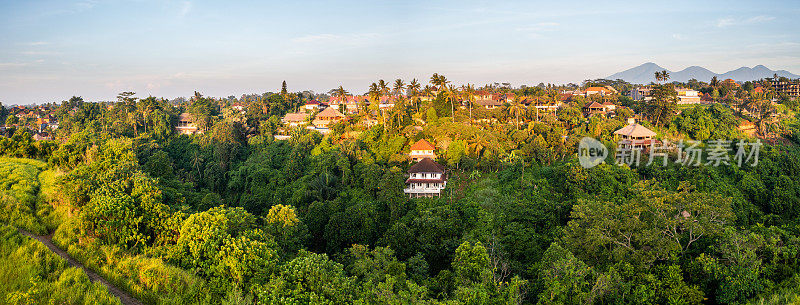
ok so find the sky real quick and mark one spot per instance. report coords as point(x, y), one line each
point(52, 50)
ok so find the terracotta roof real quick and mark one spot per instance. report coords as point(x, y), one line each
point(330, 113)
point(635, 130)
point(601, 89)
point(185, 117)
point(485, 102)
point(422, 145)
point(295, 117)
point(426, 166)
point(595, 105)
point(313, 102)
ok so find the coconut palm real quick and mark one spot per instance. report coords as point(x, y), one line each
point(516, 109)
point(468, 97)
point(399, 86)
point(450, 94)
point(375, 94)
point(414, 91)
point(383, 86)
point(341, 94)
point(440, 81)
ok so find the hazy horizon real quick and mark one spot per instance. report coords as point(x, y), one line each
point(51, 50)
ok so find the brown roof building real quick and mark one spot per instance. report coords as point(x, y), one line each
point(426, 179)
point(327, 117)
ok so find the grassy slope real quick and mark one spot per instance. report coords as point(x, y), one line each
point(32, 274)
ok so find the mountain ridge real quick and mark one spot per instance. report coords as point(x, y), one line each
point(644, 74)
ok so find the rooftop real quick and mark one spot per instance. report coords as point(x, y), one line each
point(426, 166)
point(635, 130)
point(330, 113)
point(422, 145)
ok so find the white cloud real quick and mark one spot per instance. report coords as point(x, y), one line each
point(678, 36)
point(725, 22)
point(758, 19)
point(537, 30)
point(730, 21)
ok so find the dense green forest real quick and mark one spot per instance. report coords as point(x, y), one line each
point(233, 216)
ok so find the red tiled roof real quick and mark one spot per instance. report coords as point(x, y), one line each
point(422, 145)
point(595, 105)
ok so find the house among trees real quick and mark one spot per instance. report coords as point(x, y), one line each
point(641, 94)
point(426, 179)
point(687, 96)
point(489, 103)
point(328, 117)
point(610, 107)
point(607, 90)
point(635, 136)
point(186, 125)
point(313, 105)
point(594, 108)
point(295, 119)
point(421, 150)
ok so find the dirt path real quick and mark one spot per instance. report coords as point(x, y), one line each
point(94, 277)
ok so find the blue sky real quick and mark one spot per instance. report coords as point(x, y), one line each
point(51, 50)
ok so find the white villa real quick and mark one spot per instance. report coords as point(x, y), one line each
point(687, 96)
point(426, 179)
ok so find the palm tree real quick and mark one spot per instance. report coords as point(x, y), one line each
point(383, 86)
point(399, 86)
point(341, 94)
point(440, 81)
point(374, 93)
point(197, 160)
point(516, 109)
point(538, 96)
point(428, 90)
point(665, 75)
point(413, 92)
point(468, 92)
point(450, 93)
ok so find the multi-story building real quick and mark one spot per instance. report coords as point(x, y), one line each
point(421, 150)
point(785, 86)
point(186, 125)
point(641, 94)
point(426, 179)
point(687, 96)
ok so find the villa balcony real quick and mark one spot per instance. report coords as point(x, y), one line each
point(422, 191)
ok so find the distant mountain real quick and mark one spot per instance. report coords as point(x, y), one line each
point(696, 72)
point(644, 74)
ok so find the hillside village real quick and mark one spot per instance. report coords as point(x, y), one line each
point(754, 108)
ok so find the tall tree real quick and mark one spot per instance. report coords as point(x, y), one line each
point(414, 88)
point(128, 102)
